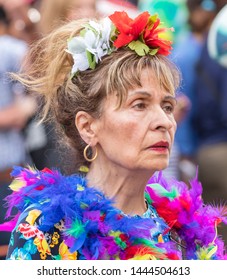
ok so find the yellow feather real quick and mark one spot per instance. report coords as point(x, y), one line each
point(16, 185)
point(207, 253)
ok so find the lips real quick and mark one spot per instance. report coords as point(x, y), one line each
point(161, 144)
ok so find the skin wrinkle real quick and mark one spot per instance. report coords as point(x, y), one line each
point(124, 137)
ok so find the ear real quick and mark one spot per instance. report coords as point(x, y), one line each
point(85, 125)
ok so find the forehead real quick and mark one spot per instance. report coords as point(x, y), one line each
point(152, 83)
point(158, 76)
point(149, 79)
point(150, 87)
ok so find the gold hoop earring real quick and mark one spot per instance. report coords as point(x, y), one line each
point(85, 154)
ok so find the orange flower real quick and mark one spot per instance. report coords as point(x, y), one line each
point(129, 29)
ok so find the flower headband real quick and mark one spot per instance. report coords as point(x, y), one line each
point(98, 39)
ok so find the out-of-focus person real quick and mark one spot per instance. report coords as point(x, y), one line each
point(24, 16)
point(211, 121)
point(56, 12)
point(15, 111)
point(217, 38)
point(186, 55)
point(106, 7)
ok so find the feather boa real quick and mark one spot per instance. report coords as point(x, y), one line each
point(97, 230)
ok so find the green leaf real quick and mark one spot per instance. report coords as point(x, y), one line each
point(114, 33)
point(83, 32)
point(139, 47)
point(91, 60)
point(153, 51)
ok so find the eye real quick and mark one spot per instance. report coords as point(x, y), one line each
point(139, 104)
point(168, 108)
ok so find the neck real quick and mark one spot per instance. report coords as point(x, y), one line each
point(125, 187)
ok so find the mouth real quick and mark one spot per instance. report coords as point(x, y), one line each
point(160, 146)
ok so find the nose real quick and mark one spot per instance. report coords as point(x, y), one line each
point(161, 120)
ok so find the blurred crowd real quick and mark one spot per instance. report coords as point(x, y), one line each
point(201, 139)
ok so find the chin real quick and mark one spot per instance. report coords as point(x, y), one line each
point(154, 165)
point(161, 165)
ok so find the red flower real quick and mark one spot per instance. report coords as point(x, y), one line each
point(129, 29)
point(151, 38)
point(144, 28)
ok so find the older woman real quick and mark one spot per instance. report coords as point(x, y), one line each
point(111, 89)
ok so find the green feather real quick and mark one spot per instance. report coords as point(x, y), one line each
point(76, 229)
point(146, 242)
point(162, 192)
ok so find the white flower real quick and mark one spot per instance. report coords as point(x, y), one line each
point(76, 47)
point(80, 63)
point(95, 40)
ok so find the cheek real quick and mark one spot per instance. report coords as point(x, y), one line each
point(174, 125)
point(120, 131)
point(172, 131)
point(124, 131)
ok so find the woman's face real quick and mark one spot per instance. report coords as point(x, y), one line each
point(138, 135)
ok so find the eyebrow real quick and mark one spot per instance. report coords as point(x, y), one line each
point(170, 97)
point(166, 97)
point(141, 92)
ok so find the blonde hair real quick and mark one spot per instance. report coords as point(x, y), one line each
point(50, 75)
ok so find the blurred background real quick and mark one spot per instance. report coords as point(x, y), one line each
point(199, 50)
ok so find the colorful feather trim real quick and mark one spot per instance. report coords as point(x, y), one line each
point(195, 222)
point(97, 230)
